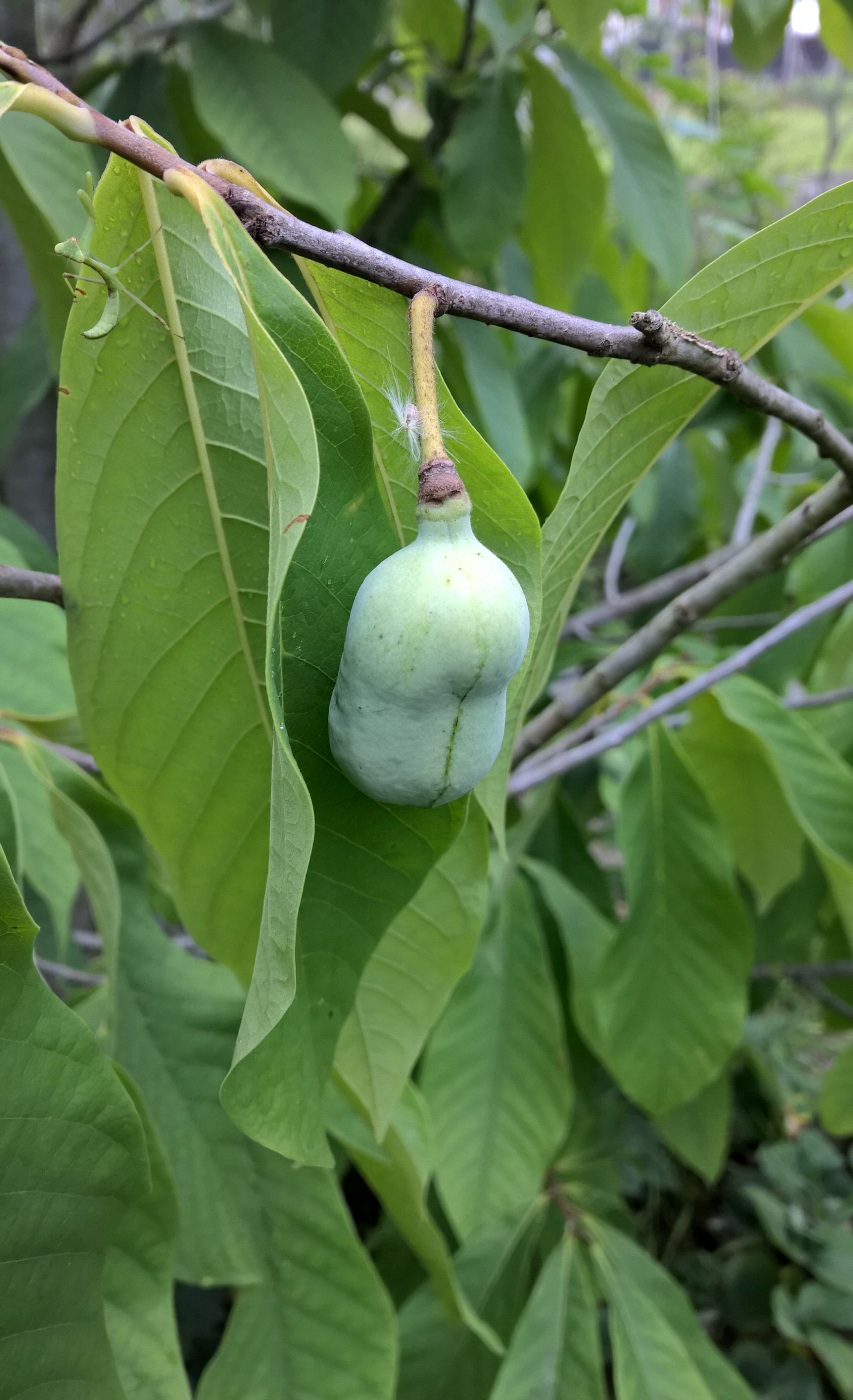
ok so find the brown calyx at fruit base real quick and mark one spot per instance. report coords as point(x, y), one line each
point(439, 481)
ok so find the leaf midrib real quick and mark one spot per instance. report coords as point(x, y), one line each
point(173, 316)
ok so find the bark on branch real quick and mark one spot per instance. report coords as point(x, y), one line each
point(651, 339)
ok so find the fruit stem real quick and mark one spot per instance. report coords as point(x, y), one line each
point(422, 310)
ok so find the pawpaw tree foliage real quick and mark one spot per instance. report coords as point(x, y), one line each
point(546, 1093)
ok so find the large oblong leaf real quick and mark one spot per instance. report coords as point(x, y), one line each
point(411, 974)
point(556, 1351)
point(72, 1158)
point(162, 522)
point(273, 118)
point(740, 300)
point(367, 860)
point(664, 998)
point(496, 1077)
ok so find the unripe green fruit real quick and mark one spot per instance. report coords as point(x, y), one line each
point(436, 633)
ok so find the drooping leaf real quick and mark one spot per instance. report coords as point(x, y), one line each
point(440, 1357)
point(137, 1285)
point(319, 1323)
point(367, 860)
point(765, 839)
point(556, 1350)
point(503, 517)
point(328, 41)
point(72, 1159)
point(566, 191)
point(495, 1075)
point(484, 170)
point(162, 522)
point(758, 30)
point(411, 974)
point(648, 188)
point(44, 856)
point(669, 992)
point(818, 785)
point(659, 1349)
point(582, 20)
point(740, 300)
point(271, 117)
point(280, 1235)
point(398, 1171)
point(698, 1131)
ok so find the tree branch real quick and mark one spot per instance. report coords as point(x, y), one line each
point(753, 560)
point(742, 532)
point(551, 764)
point(651, 339)
point(660, 590)
point(820, 699)
point(27, 583)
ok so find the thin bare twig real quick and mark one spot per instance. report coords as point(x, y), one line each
point(742, 531)
point(820, 699)
point(61, 973)
point(551, 764)
point(753, 560)
point(661, 589)
point(616, 559)
point(29, 584)
point(795, 972)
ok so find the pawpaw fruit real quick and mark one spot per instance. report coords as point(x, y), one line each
point(436, 633)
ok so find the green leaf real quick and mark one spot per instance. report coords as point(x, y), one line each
point(273, 119)
point(765, 838)
point(740, 300)
point(444, 1358)
point(669, 992)
point(836, 1095)
point(758, 30)
point(823, 1248)
point(495, 1075)
point(40, 173)
point(648, 187)
point(493, 381)
point(165, 567)
point(398, 1172)
point(48, 865)
point(281, 1235)
point(320, 1323)
point(503, 518)
point(698, 1131)
point(556, 1351)
point(326, 40)
point(659, 1349)
point(34, 676)
point(582, 20)
point(818, 785)
point(137, 1285)
point(24, 378)
point(176, 1019)
point(72, 1158)
point(367, 861)
point(566, 191)
point(411, 973)
point(484, 170)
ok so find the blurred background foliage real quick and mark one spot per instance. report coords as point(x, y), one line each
point(592, 157)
